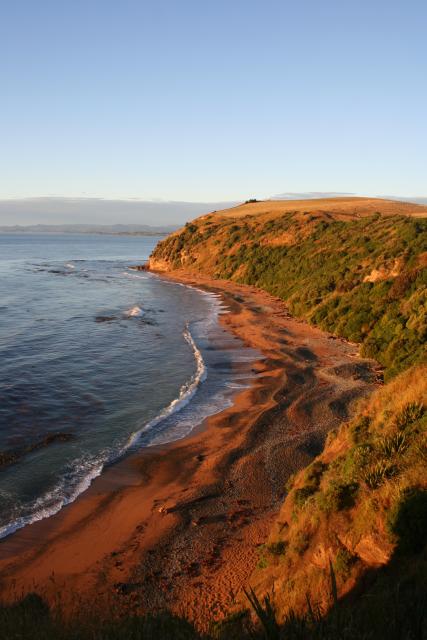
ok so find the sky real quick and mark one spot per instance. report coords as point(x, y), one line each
point(198, 101)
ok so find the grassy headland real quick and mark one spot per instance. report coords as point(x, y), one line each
point(354, 267)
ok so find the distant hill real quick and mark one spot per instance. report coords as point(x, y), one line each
point(115, 229)
point(100, 211)
point(312, 195)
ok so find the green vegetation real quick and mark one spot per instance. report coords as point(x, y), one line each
point(277, 548)
point(362, 279)
point(311, 485)
point(338, 496)
point(344, 561)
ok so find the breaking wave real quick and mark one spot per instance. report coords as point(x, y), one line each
point(82, 472)
point(134, 312)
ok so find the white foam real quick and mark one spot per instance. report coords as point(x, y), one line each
point(86, 471)
point(53, 501)
point(134, 275)
point(134, 312)
point(186, 393)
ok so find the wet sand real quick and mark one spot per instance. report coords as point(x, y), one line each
point(178, 526)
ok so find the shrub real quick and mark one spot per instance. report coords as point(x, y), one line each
point(301, 495)
point(408, 521)
point(362, 454)
point(313, 477)
point(378, 473)
point(412, 412)
point(359, 430)
point(315, 472)
point(338, 496)
point(301, 543)
point(277, 548)
point(394, 444)
point(31, 619)
point(344, 560)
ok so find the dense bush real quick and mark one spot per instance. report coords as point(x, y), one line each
point(344, 561)
point(313, 477)
point(338, 496)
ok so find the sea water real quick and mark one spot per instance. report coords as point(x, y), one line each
point(97, 359)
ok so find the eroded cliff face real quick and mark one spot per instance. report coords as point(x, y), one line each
point(158, 264)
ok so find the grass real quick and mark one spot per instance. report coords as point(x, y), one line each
point(410, 413)
point(397, 443)
point(376, 475)
point(344, 561)
point(338, 496)
point(311, 485)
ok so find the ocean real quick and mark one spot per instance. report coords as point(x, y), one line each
point(97, 360)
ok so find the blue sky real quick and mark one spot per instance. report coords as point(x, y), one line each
point(212, 100)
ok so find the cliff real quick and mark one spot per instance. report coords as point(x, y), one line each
point(353, 266)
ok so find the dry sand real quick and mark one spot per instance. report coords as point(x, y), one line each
point(179, 526)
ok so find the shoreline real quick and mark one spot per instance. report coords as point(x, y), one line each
point(184, 397)
point(177, 525)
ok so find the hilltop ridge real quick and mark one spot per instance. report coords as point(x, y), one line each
point(337, 207)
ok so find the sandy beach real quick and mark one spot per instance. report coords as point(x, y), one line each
point(179, 526)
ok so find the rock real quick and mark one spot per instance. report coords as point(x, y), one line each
point(373, 551)
point(125, 588)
